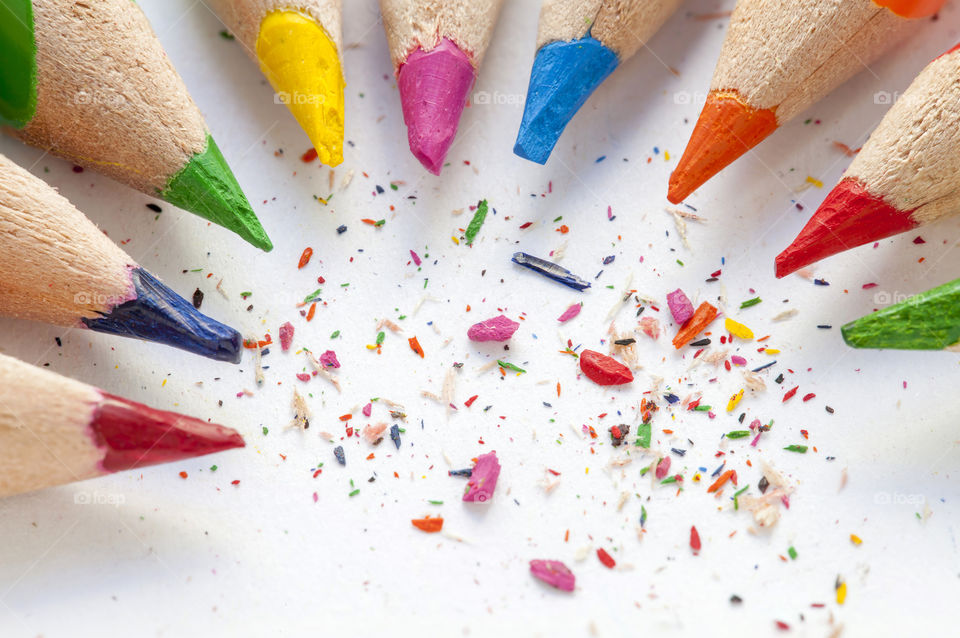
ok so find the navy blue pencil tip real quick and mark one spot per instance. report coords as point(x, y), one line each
point(159, 314)
point(564, 75)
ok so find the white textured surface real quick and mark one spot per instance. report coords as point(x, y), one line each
point(202, 557)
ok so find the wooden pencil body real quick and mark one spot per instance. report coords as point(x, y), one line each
point(55, 265)
point(243, 17)
point(108, 96)
point(784, 55)
point(44, 435)
point(912, 159)
point(424, 23)
point(621, 25)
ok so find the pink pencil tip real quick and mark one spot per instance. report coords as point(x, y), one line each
point(434, 87)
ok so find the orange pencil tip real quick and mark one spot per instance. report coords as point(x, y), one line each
point(727, 128)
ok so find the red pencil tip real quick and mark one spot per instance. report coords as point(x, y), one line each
point(727, 128)
point(850, 216)
point(134, 435)
point(434, 87)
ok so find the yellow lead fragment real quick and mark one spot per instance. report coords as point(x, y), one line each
point(734, 400)
point(737, 329)
point(841, 593)
point(855, 539)
point(813, 180)
point(455, 240)
point(771, 351)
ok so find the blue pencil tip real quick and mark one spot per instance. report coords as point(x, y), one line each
point(161, 315)
point(564, 75)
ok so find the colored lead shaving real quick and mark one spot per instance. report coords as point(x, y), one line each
point(551, 270)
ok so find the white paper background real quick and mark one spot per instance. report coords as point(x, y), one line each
point(202, 557)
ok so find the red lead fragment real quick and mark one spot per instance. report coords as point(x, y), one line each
point(606, 558)
point(604, 370)
point(694, 540)
point(789, 394)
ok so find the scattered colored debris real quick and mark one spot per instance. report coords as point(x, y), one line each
point(483, 479)
point(604, 370)
point(498, 328)
point(551, 270)
point(553, 573)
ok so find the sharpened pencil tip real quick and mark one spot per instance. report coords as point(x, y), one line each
point(563, 76)
point(434, 87)
point(161, 315)
point(207, 187)
point(727, 128)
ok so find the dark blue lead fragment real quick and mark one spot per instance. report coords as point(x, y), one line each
point(468, 472)
point(549, 269)
point(338, 452)
point(341, 229)
point(764, 366)
point(395, 435)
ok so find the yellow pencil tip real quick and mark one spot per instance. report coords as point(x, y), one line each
point(302, 64)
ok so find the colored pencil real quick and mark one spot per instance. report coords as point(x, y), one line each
point(90, 82)
point(579, 43)
point(928, 321)
point(778, 58)
point(907, 174)
point(436, 47)
point(298, 46)
point(54, 430)
point(57, 267)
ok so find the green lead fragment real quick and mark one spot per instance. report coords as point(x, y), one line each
point(736, 496)
point(510, 366)
point(266, 430)
point(226, 35)
point(702, 408)
point(335, 334)
point(380, 337)
point(313, 295)
point(792, 552)
point(478, 218)
point(354, 493)
point(644, 434)
point(802, 449)
point(669, 479)
point(213, 468)
point(750, 302)
point(738, 434)
point(432, 502)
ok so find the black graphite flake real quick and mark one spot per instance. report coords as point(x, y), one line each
point(155, 208)
point(735, 600)
point(341, 229)
point(829, 409)
point(701, 343)
point(338, 452)
point(197, 298)
point(395, 435)
point(763, 485)
point(625, 342)
point(779, 379)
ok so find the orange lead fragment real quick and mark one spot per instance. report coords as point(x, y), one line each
point(701, 318)
point(726, 476)
point(415, 346)
point(429, 525)
point(305, 257)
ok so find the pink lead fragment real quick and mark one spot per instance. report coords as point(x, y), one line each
point(329, 359)
point(570, 313)
point(497, 329)
point(367, 409)
point(286, 336)
point(416, 257)
point(663, 467)
point(483, 480)
point(650, 327)
point(680, 306)
point(553, 573)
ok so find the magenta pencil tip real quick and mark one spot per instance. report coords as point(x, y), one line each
point(434, 86)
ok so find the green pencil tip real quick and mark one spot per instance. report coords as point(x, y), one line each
point(206, 186)
point(928, 321)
